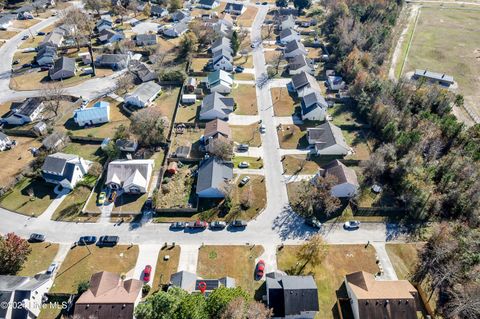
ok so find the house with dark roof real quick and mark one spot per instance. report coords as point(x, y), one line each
point(144, 94)
point(327, 139)
point(215, 128)
point(6, 20)
point(292, 296)
point(386, 299)
point(26, 291)
point(222, 29)
point(65, 170)
point(300, 63)
point(55, 141)
point(235, 8)
point(287, 35)
point(213, 176)
point(219, 81)
point(294, 48)
point(433, 77)
point(304, 83)
point(46, 55)
point(313, 106)
point(25, 112)
point(142, 71)
point(190, 282)
point(126, 145)
point(221, 43)
point(109, 36)
point(216, 106)
point(63, 68)
point(222, 60)
point(346, 184)
point(97, 114)
point(158, 11)
point(113, 61)
point(109, 296)
point(287, 22)
point(130, 176)
point(176, 29)
point(4, 142)
point(105, 22)
point(145, 39)
point(335, 83)
point(208, 4)
point(179, 15)
point(53, 39)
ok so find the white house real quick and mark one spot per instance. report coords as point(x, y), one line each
point(294, 48)
point(327, 139)
point(97, 114)
point(131, 176)
point(219, 81)
point(313, 107)
point(346, 179)
point(213, 176)
point(216, 106)
point(208, 4)
point(235, 8)
point(222, 60)
point(25, 112)
point(144, 94)
point(287, 35)
point(287, 22)
point(189, 98)
point(4, 141)
point(65, 170)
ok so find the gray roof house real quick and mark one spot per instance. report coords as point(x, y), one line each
point(142, 71)
point(293, 48)
point(158, 11)
point(303, 83)
point(6, 20)
point(179, 15)
point(300, 63)
point(113, 61)
point(145, 39)
point(222, 43)
point(17, 289)
point(222, 59)
point(213, 176)
point(190, 282)
point(63, 68)
point(216, 106)
point(24, 112)
point(208, 4)
point(434, 77)
point(346, 179)
point(132, 176)
point(219, 81)
point(55, 141)
point(46, 55)
point(64, 169)
point(313, 106)
point(105, 22)
point(176, 30)
point(235, 8)
point(292, 296)
point(54, 38)
point(327, 139)
point(287, 35)
point(108, 36)
point(335, 83)
point(144, 94)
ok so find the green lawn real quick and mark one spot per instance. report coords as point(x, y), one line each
point(29, 197)
point(245, 97)
point(80, 264)
point(40, 257)
point(187, 113)
point(167, 101)
point(246, 134)
point(299, 164)
point(90, 152)
point(404, 258)
point(70, 210)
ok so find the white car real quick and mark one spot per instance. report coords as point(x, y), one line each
point(262, 129)
point(51, 269)
point(243, 165)
point(352, 224)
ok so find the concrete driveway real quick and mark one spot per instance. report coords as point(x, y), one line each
point(147, 255)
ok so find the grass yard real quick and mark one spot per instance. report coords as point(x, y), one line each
point(189, 137)
point(165, 268)
point(246, 134)
point(245, 97)
point(246, 19)
point(177, 189)
point(198, 64)
point(187, 113)
point(40, 257)
point(256, 191)
point(7, 34)
point(237, 262)
point(404, 258)
point(283, 102)
point(24, 24)
point(314, 53)
point(448, 41)
point(299, 164)
point(358, 141)
point(31, 42)
point(29, 197)
point(245, 61)
point(244, 76)
point(70, 210)
point(80, 265)
point(129, 204)
point(255, 162)
point(24, 57)
point(293, 136)
point(330, 274)
point(167, 101)
point(17, 158)
point(271, 57)
point(90, 152)
point(345, 114)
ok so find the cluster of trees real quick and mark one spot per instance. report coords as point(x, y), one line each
point(13, 253)
point(224, 303)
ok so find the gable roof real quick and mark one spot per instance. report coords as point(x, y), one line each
point(146, 91)
point(343, 173)
point(326, 135)
point(217, 126)
point(287, 32)
point(216, 101)
point(434, 76)
point(56, 163)
point(213, 173)
point(299, 61)
point(142, 39)
point(190, 282)
point(294, 45)
point(13, 283)
point(304, 80)
point(63, 64)
point(222, 42)
point(231, 6)
point(158, 9)
point(28, 106)
point(207, 2)
point(99, 110)
point(122, 172)
point(311, 101)
point(218, 76)
point(222, 53)
point(111, 58)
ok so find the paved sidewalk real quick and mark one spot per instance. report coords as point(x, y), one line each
point(297, 178)
point(188, 258)
point(294, 151)
point(382, 255)
point(148, 255)
point(235, 119)
point(48, 213)
point(250, 171)
point(287, 120)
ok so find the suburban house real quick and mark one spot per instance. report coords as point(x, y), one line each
point(24, 112)
point(222, 60)
point(158, 11)
point(113, 61)
point(4, 142)
point(63, 68)
point(300, 63)
point(433, 77)
point(235, 8)
point(105, 22)
point(215, 128)
point(221, 43)
point(142, 71)
point(294, 48)
point(304, 83)
point(179, 15)
point(53, 39)
point(313, 106)
point(216, 106)
point(26, 291)
point(109, 296)
point(208, 4)
point(219, 81)
point(347, 182)
point(131, 176)
point(292, 296)
point(335, 83)
point(6, 21)
point(213, 176)
point(108, 36)
point(389, 299)
point(46, 55)
point(226, 19)
point(176, 30)
point(287, 35)
point(64, 169)
point(222, 29)
point(327, 139)
point(126, 145)
point(144, 94)
point(190, 282)
point(97, 114)
point(287, 22)
point(55, 141)
point(86, 57)
point(145, 39)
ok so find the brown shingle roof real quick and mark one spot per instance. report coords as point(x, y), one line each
point(215, 127)
point(343, 173)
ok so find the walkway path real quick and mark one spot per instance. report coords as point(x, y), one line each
point(388, 270)
point(48, 213)
point(188, 258)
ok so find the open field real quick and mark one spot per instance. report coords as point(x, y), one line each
point(245, 97)
point(447, 40)
point(330, 274)
point(283, 103)
point(237, 262)
point(80, 265)
point(39, 259)
point(17, 158)
point(24, 24)
point(165, 268)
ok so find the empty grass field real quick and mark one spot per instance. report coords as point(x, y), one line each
point(283, 103)
point(246, 134)
point(17, 158)
point(40, 257)
point(245, 97)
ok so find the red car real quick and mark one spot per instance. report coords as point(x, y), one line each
point(146, 273)
point(260, 268)
point(198, 224)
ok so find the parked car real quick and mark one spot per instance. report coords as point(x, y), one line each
point(40, 33)
point(25, 37)
point(243, 165)
point(16, 62)
point(108, 241)
point(313, 222)
point(262, 128)
point(146, 273)
point(244, 180)
point(51, 269)
point(85, 102)
point(238, 223)
point(218, 225)
point(260, 269)
point(87, 240)
point(178, 225)
point(113, 196)
point(26, 65)
point(352, 224)
point(101, 198)
point(148, 205)
point(45, 68)
point(198, 224)
point(243, 147)
point(36, 238)
point(264, 3)
point(239, 69)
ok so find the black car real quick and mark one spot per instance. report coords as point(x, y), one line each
point(40, 33)
point(26, 65)
point(108, 241)
point(239, 223)
point(218, 225)
point(36, 238)
point(16, 62)
point(239, 69)
point(178, 225)
point(243, 147)
point(87, 240)
point(148, 205)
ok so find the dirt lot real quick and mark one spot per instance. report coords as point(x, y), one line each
point(293, 136)
point(176, 190)
point(245, 97)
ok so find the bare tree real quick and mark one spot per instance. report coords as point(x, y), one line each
point(53, 94)
point(150, 126)
point(82, 25)
point(312, 252)
point(221, 148)
point(124, 82)
point(239, 308)
point(95, 5)
point(247, 198)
